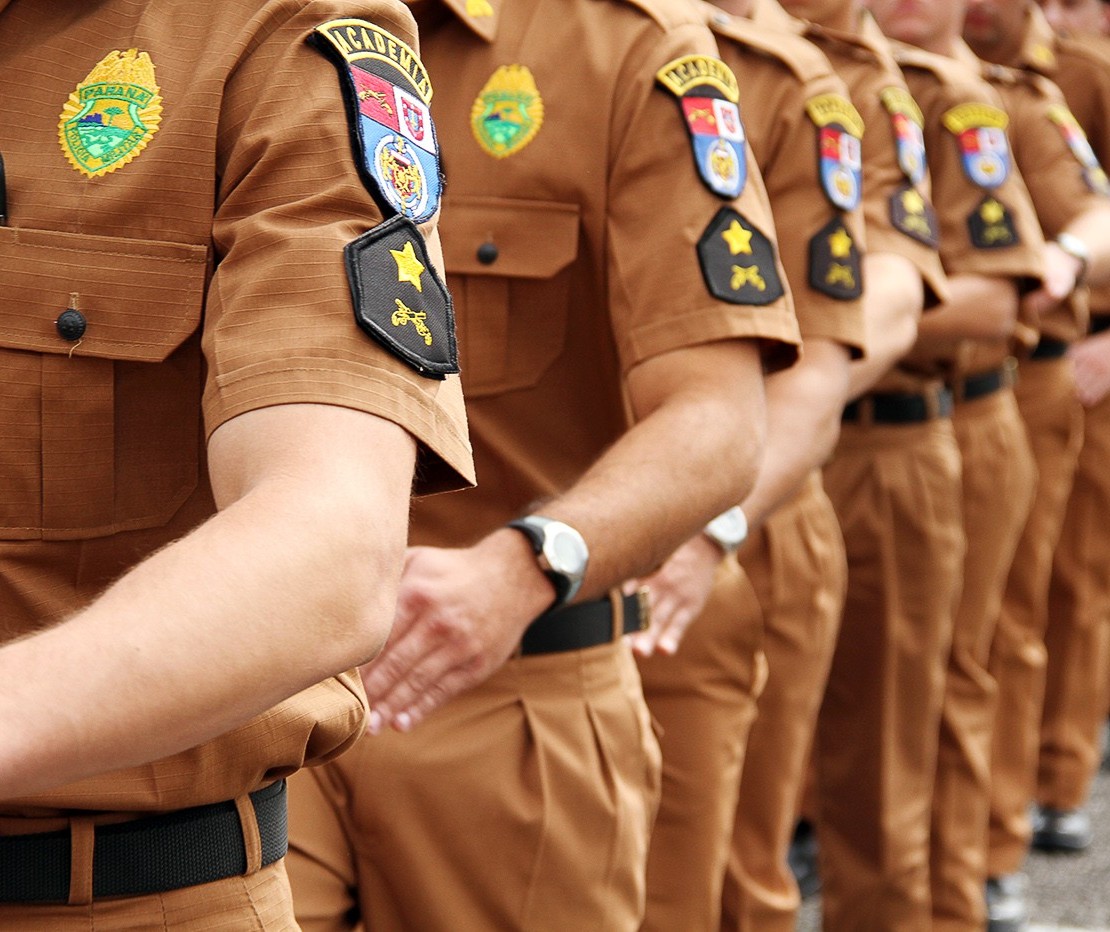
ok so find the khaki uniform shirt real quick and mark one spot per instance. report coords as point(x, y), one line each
point(571, 232)
point(208, 265)
point(1081, 68)
point(866, 65)
point(788, 86)
point(951, 93)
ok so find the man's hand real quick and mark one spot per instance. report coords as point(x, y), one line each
point(460, 614)
point(1091, 358)
point(677, 593)
point(1061, 275)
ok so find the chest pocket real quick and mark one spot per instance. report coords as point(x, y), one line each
point(507, 270)
point(99, 432)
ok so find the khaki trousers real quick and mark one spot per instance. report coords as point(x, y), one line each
point(797, 567)
point(1078, 625)
point(525, 803)
point(998, 480)
point(703, 700)
point(896, 489)
point(1054, 423)
point(258, 902)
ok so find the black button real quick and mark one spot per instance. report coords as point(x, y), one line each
point(71, 324)
point(487, 254)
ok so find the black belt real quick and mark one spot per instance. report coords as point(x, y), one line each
point(1049, 348)
point(576, 627)
point(1100, 322)
point(896, 408)
point(148, 855)
point(985, 383)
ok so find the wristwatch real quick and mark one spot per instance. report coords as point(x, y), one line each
point(560, 551)
point(1078, 250)
point(728, 530)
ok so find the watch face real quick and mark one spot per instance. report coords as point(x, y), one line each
point(565, 550)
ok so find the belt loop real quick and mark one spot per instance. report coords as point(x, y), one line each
point(252, 841)
point(82, 841)
point(616, 602)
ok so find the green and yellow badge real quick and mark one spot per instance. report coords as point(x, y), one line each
point(508, 111)
point(112, 115)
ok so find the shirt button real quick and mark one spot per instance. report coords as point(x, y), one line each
point(71, 325)
point(487, 254)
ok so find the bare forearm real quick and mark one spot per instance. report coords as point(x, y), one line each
point(803, 423)
point(693, 452)
point(980, 307)
point(276, 592)
point(892, 302)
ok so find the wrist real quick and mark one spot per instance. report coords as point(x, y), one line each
point(560, 553)
point(728, 530)
point(1073, 246)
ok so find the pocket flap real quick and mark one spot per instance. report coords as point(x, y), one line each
point(507, 237)
point(140, 298)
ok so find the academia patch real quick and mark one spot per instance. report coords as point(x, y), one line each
point(508, 112)
point(991, 225)
point(738, 261)
point(1080, 146)
point(834, 262)
point(980, 132)
point(908, 125)
point(386, 92)
point(707, 94)
point(400, 300)
point(840, 165)
point(111, 116)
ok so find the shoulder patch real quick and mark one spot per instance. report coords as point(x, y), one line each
point(912, 214)
point(508, 111)
point(399, 299)
point(111, 116)
point(980, 131)
point(386, 92)
point(834, 262)
point(991, 225)
point(840, 165)
point(1080, 147)
point(707, 94)
point(908, 125)
point(738, 261)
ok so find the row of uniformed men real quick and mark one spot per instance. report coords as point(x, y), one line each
point(937, 218)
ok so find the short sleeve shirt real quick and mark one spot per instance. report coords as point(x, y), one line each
point(182, 177)
point(787, 87)
point(987, 222)
point(572, 227)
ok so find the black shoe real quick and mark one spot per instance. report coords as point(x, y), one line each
point(1006, 910)
point(1061, 829)
point(802, 858)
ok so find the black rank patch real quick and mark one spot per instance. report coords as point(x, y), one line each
point(912, 214)
point(834, 262)
point(399, 298)
point(991, 225)
point(738, 261)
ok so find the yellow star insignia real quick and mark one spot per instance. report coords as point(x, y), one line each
point(913, 202)
point(738, 238)
point(840, 244)
point(992, 211)
point(478, 8)
point(409, 268)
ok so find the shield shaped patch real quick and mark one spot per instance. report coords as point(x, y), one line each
point(386, 92)
point(980, 132)
point(840, 129)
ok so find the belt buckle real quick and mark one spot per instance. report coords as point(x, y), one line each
point(643, 607)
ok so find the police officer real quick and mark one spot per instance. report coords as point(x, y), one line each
point(618, 294)
point(204, 413)
point(790, 102)
point(1014, 34)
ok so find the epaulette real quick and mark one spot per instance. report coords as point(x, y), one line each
point(667, 13)
point(947, 71)
point(798, 54)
